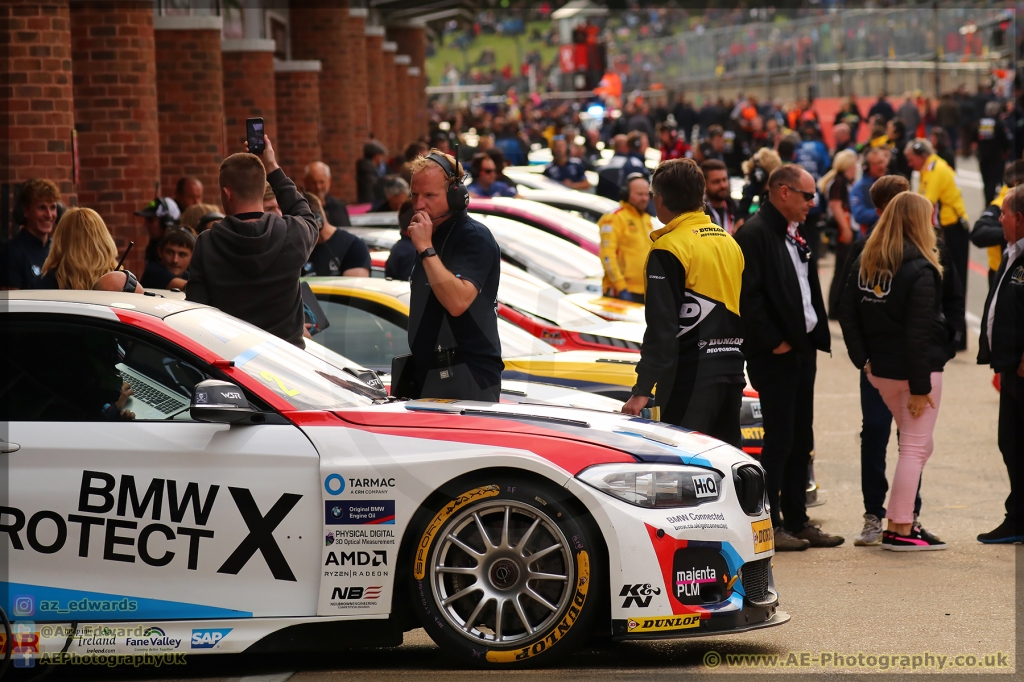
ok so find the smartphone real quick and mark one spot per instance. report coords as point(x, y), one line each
point(254, 135)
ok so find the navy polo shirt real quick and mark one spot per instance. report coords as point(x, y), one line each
point(23, 261)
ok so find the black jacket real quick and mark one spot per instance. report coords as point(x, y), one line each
point(337, 214)
point(770, 303)
point(251, 269)
point(366, 180)
point(900, 325)
point(987, 230)
point(1004, 350)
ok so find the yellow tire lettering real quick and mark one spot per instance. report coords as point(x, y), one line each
point(560, 630)
point(420, 562)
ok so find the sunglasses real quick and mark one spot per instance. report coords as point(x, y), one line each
point(488, 171)
point(808, 196)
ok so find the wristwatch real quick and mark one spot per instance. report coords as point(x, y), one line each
point(427, 253)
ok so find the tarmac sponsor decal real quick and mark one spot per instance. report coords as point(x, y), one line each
point(419, 566)
point(334, 484)
point(579, 598)
point(663, 624)
point(359, 513)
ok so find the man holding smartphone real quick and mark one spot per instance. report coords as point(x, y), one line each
point(248, 264)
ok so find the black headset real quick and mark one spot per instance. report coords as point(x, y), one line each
point(624, 190)
point(457, 193)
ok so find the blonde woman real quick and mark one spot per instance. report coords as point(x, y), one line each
point(894, 319)
point(835, 186)
point(81, 253)
point(757, 169)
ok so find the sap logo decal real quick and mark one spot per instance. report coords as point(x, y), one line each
point(208, 638)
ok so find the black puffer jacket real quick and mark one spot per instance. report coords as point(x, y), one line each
point(900, 324)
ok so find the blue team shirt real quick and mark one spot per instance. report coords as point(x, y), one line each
point(497, 189)
point(573, 171)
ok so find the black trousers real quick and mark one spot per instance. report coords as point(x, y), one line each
point(874, 438)
point(1011, 440)
point(958, 242)
point(991, 177)
point(715, 411)
point(786, 385)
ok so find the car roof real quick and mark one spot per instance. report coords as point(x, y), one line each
point(44, 300)
point(392, 293)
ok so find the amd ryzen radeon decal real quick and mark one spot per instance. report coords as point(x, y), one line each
point(179, 514)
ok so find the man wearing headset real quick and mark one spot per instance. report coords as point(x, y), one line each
point(626, 241)
point(453, 325)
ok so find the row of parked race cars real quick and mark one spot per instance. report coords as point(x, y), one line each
point(266, 498)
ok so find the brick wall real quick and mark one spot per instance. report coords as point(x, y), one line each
point(403, 101)
point(115, 115)
point(36, 112)
point(393, 98)
point(378, 96)
point(190, 89)
point(248, 89)
point(335, 36)
point(297, 85)
point(412, 40)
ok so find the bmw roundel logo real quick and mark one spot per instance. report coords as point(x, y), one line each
point(334, 484)
point(336, 512)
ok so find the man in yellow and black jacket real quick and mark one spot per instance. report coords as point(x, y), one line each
point(692, 344)
point(626, 241)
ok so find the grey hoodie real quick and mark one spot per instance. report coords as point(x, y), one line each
point(251, 269)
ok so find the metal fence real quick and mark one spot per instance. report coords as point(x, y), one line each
point(837, 44)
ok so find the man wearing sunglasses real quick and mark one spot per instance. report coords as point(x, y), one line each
point(785, 323)
point(485, 179)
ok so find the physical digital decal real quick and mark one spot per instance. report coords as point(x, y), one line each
point(560, 630)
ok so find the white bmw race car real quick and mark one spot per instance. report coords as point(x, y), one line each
point(249, 496)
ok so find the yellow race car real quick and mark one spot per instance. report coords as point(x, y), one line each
point(369, 321)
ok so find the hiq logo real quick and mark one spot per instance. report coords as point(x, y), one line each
point(334, 484)
point(208, 638)
point(24, 605)
point(705, 486)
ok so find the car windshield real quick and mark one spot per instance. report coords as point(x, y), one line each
point(531, 245)
point(299, 378)
point(545, 302)
point(581, 228)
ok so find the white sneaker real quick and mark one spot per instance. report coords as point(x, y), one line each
point(872, 533)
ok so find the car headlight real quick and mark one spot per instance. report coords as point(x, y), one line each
point(655, 486)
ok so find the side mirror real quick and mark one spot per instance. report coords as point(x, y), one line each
point(220, 402)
